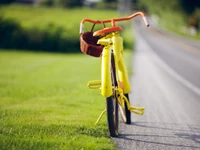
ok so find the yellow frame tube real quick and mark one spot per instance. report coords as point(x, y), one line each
point(115, 42)
point(106, 84)
point(122, 73)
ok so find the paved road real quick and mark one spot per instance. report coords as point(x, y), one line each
point(166, 81)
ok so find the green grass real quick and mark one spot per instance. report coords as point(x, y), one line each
point(41, 17)
point(45, 103)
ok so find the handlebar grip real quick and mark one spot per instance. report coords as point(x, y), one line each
point(81, 28)
point(145, 21)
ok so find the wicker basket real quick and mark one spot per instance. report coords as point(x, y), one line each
point(88, 44)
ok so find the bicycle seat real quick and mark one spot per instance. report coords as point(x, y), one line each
point(107, 30)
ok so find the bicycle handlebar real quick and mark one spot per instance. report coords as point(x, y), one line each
point(112, 21)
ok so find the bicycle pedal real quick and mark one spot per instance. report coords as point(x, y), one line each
point(137, 110)
point(95, 84)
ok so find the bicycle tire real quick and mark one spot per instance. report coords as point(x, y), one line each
point(112, 104)
point(125, 113)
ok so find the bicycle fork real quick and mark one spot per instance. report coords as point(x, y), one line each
point(115, 43)
point(105, 84)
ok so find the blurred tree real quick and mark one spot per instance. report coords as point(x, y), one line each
point(188, 10)
point(108, 1)
point(71, 3)
point(6, 1)
point(190, 5)
point(187, 6)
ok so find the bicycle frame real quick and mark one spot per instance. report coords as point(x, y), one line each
point(113, 42)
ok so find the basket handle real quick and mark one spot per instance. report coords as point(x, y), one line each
point(95, 24)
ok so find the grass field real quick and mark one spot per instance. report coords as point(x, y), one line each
point(45, 103)
point(41, 17)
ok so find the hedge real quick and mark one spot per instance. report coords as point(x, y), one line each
point(51, 39)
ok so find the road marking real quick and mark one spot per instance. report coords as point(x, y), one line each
point(170, 71)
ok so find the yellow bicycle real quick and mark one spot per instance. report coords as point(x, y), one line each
point(114, 84)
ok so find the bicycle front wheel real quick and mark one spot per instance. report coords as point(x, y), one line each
point(112, 115)
point(112, 104)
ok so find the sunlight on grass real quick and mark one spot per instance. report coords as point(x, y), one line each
point(45, 103)
point(42, 17)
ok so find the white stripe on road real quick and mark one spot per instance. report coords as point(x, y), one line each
point(171, 72)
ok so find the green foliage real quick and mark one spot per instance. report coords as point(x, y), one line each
point(112, 5)
point(8, 29)
point(189, 6)
point(45, 29)
point(155, 6)
point(194, 19)
point(173, 15)
point(7, 1)
point(159, 7)
point(108, 1)
point(51, 38)
point(71, 3)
